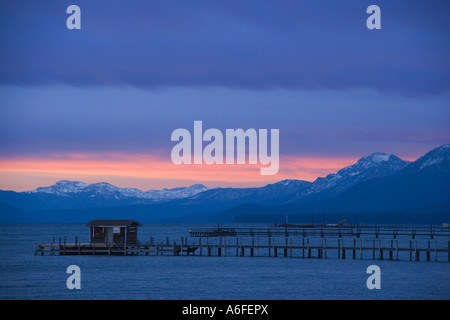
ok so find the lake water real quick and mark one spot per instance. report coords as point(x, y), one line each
point(26, 276)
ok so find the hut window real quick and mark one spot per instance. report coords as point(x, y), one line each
point(132, 229)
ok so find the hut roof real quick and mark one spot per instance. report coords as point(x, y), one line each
point(111, 223)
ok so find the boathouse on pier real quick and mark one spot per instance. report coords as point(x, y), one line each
point(113, 232)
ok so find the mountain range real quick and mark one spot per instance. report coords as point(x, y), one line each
point(107, 191)
point(376, 186)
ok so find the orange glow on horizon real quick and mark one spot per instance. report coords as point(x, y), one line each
point(147, 172)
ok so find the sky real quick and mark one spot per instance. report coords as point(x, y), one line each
point(100, 103)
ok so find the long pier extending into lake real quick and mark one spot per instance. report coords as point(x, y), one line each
point(417, 243)
point(327, 231)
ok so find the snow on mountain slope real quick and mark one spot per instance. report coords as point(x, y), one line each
point(66, 188)
point(437, 158)
point(274, 193)
point(370, 167)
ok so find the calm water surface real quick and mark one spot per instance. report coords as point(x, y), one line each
point(26, 276)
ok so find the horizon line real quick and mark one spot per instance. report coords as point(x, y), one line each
point(128, 171)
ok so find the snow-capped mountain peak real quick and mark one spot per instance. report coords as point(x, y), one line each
point(175, 193)
point(107, 190)
point(434, 157)
point(378, 157)
point(287, 182)
point(62, 187)
point(373, 166)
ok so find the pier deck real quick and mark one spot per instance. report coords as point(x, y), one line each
point(326, 231)
point(365, 243)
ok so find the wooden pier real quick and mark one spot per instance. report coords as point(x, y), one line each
point(368, 243)
point(63, 249)
point(327, 231)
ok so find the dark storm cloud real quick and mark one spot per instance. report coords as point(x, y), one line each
point(244, 44)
